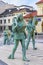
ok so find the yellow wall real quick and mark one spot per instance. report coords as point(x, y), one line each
point(39, 12)
point(39, 28)
point(39, 9)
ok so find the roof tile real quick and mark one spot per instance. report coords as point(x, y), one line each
point(41, 1)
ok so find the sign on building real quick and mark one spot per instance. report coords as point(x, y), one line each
point(39, 19)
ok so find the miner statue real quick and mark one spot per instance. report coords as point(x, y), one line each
point(18, 28)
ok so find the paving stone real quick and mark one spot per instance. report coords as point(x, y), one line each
point(35, 56)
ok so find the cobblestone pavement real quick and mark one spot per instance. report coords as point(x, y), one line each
point(35, 56)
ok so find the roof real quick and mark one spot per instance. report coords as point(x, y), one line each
point(27, 9)
point(10, 11)
point(24, 6)
point(34, 13)
point(4, 6)
point(41, 1)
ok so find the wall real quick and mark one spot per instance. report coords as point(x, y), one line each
point(39, 9)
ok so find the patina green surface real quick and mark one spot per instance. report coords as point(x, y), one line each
point(18, 28)
point(7, 34)
point(31, 34)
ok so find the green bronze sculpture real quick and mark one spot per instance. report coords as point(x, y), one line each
point(31, 34)
point(6, 35)
point(18, 28)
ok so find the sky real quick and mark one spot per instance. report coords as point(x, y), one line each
point(22, 2)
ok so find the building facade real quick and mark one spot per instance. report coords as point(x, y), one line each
point(7, 16)
point(40, 16)
point(4, 22)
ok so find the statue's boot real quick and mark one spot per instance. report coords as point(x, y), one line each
point(24, 54)
point(25, 59)
point(11, 57)
point(13, 51)
point(34, 48)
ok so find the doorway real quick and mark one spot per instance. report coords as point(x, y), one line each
point(42, 26)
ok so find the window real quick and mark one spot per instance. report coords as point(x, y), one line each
point(0, 21)
point(5, 21)
point(4, 27)
point(8, 20)
point(0, 28)
point(10, 28)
